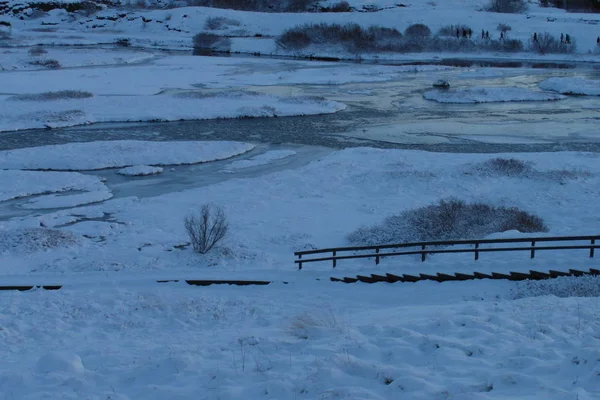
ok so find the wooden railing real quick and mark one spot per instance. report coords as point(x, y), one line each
point(424, 248)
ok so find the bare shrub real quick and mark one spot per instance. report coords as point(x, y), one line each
point(342, 6)
point(37, 51)
point(50, 64)
point(352, 37)
point(545, 43)
point(53, 96)
point(503, 28)
point(417, 31)
point(206, 43)
point(448, 220)
point(294, 39)
point(450, 30)
point(255, 5)
point(216, 23)
point(564, 286)
point(206, 228)
point(123, 42)
point(507, 6)
point(511, 167)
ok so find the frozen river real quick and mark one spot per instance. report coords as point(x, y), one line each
point(390, 114)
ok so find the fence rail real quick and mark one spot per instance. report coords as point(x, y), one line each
point(424, 248)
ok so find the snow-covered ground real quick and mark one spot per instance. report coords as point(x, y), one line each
point(113, 332)
point(298, 341)
point(118, 153)
point(29, 58)
point(488, 95)
point(318, 205)
point(24, 114)
point(575, 86)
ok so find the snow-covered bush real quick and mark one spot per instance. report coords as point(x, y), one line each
point(206, 227)
point(206, 43)
point(449, 219)
point(564, 286)
point(53, 96)
point(417, 31)
point(216, 23)
point(545, 43)
point(507, 6)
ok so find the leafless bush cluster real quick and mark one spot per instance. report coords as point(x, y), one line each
point(545, 43)
point(448, 220)
point(507, 6)
point(216, 23)
point(353, 38)
point(250, 5)
point(37, 51)
point(53, 96)
point(206, 228)
point(573, 5)
point(417, 31)
point(342, 6)
point(503, 28)
point(515, 168)
point(50, 64)
point(511, 167)
point(206, 43)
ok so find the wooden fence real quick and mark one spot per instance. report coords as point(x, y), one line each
point(531, 245)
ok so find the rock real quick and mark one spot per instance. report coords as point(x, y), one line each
point(442, 84)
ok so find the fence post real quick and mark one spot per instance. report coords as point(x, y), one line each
point(532, 250)
point(476, 252)
point(377, 257)
point(423, 253)
point(592, 249)
point(334, 260)
point(300, 263)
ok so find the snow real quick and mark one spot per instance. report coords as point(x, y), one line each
point(319, 204)
point(140, 170)
point(20, 114)
point(187, 73)
point(575, 86)
point(18, 59)
point(69, 200)
point(63, 363)
point(119, 153)
point(262, 159)
point(113, 332)
point(309, 341)
point(15, 184)
point(489, 95)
